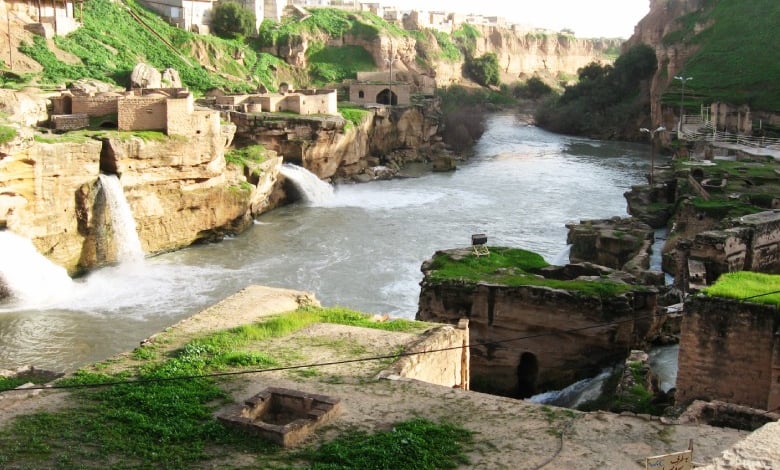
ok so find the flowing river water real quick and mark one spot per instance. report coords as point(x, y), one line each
point(361, 248)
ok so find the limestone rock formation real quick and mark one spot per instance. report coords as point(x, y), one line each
point(329, 148)
point(90, 86)
point(179, 191)
point(26, 107)
point(171, 79)
point(614, 243)
point(145, 76)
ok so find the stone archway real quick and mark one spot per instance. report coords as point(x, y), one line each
point(387, 96)
point(527, 373)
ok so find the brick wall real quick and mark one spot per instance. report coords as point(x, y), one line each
point(99, 105)
point(729, 351)
point(70, 122)
point(370, 92)
point(143, 113)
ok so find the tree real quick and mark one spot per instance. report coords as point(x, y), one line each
point(484, 69)
point(232, 21)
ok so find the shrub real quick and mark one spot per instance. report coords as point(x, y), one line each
point(232, 21)
point(484, 69)
point(7, 134)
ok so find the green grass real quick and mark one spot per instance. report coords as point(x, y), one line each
point(514, 267)
point(168, 424)
point(111, 42)
point(415, 444)
point(246, 155)
point(7, 134)
point(731, 65)
point(743, 284)
point(328, 65)
point(355, 115)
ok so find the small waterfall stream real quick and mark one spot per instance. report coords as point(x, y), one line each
point(30, 278)
point(312, 189)
point(128, 245)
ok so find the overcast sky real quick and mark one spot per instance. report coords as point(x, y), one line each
point(588, 18)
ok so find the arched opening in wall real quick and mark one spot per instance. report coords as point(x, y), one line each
point(387, 96)
point(527, 373)
point(361, 94)
point(108, 125)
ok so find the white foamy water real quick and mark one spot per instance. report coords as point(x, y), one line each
point(313, 190)
point(363, 249)
point(128, 245)
point(33, 280)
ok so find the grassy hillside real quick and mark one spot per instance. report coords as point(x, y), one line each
point(737, 61)
point(117, 36)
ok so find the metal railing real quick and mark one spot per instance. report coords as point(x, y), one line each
point(700, 129)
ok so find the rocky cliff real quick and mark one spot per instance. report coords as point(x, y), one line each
point(570, 349)
point(521, 53)
point(179, 190)
point(332, 147)
point(652, 29)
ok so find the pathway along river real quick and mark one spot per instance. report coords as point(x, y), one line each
point(362, 249)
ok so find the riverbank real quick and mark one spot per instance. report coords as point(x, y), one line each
point(509, 433)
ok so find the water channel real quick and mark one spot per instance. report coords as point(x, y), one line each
point(361, 249)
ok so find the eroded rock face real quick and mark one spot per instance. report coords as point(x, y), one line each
point(613, 243)
point(25, 107)
point(500, 314)
point(145, 76)
point(180, 191)
point(329, 148)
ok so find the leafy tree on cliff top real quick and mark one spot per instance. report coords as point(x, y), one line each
point(607, 98)
point(484, 69)
point(230, 20)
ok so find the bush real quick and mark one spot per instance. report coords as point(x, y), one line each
point(232, 21)
point(484, 69)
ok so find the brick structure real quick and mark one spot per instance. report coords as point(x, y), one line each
point(304, 102)
point(101, 104)
point(171, 110)
point(69, 122)
point(751, 244)
point(380, 93)
point(730, 351)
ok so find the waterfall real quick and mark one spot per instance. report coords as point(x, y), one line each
point(575, 394)
point(29, 277)
point(562, 258)
point(312, 189)
point(128, 245)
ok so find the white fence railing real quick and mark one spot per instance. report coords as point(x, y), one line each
point(694, 127)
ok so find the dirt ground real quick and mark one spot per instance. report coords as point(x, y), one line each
point(511, 434)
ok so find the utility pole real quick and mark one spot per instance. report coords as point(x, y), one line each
point(682, 99)
point(652, 149)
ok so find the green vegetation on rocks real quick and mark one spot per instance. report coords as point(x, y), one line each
point(114, 38)
point(328, 64)
point(749, 286)
point(246, 155)
point(513, 267)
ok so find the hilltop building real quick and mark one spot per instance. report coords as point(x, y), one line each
point(170, 110)
point(47, 19)
point(195, 15)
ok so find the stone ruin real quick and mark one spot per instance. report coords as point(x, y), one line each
point(281, 415)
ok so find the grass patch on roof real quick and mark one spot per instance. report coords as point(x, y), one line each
point(745, 285)
point(514, 267)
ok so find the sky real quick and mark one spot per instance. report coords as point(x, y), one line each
point(587, 18)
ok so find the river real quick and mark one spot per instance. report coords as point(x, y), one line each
point(360, 249)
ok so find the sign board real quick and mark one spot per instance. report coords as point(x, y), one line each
point(677, 461)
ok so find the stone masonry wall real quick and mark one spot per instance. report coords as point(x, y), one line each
point(498, 314)
point(730, 351)
point(148, 113)
point(94, 105)
point(449, 366)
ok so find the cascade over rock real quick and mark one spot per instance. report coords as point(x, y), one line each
point(179, 190)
